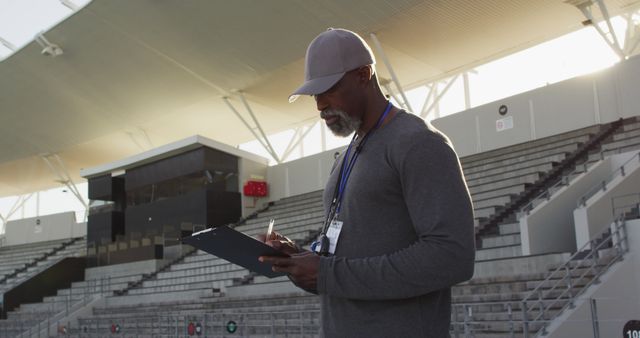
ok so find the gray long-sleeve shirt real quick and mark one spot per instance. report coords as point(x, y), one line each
point(407, 236)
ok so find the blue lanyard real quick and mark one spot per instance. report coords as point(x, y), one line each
point(345, 171)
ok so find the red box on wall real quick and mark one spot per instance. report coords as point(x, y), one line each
point(255, 189)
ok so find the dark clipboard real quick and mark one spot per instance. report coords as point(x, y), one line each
point(235, 247)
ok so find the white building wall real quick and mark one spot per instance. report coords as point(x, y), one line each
point(555, 216)
point(300, 176)
point(568, 105)
point(44, 228)
point(591, 219)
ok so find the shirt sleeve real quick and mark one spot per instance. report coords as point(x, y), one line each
point(440, 209)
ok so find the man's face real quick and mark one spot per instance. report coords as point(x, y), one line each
point(337, 106)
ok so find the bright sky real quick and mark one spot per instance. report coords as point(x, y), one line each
point(574, 54)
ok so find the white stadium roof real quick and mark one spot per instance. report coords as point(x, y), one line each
point(140, 74)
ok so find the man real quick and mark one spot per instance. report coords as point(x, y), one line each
point(399, 229)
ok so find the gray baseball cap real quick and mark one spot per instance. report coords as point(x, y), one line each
point(329, 56)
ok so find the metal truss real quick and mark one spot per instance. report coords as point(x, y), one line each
point(297, 139)
point(69, 4)
point(394, 77)
point(585, 6)
point(632, 34)
point(435, 96)
point(262, 138)
point(8, 44)
point(55, 163)
point(19, 203)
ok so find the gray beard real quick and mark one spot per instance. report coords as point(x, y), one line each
point(345, 125)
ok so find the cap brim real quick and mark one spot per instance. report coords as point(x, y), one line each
point(316, 86)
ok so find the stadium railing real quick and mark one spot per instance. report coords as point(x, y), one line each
point(558, 292)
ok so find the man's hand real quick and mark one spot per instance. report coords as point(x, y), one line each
point(302, 268)
point(280, 243)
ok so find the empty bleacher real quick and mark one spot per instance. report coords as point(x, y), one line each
point(18, 262)
point(297, 217)
point(494, 179)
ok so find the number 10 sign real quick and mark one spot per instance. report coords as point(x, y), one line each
point(631, 329)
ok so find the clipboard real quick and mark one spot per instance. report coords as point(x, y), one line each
point(235, 247)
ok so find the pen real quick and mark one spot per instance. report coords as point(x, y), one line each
point(270, 229)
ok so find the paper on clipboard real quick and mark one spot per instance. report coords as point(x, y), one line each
point(235, 247)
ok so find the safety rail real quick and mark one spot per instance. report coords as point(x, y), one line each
point(564, 275)
point(490, 226)
point(629, 165)
point(548, 192)
point(94, 289)
point(552, 296)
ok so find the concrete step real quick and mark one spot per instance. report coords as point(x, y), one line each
point(629, 133)
point(631, 126)
point(507, 161)
point(283, 211)
point(530, 178)
point(486, 211)
point(498, 252)
point(509, 228)
point(506, 191)
point(501, 240)
point(535, 144)
point(495, 201)
point(567, 145)
point(293, 217)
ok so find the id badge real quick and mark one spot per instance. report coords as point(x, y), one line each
point(333, 233)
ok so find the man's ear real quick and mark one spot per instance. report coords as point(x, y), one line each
point(365, 74)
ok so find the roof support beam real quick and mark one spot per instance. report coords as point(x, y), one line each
point(55, 163)
point(19, 203)
point(430, 95)
point(295, 135)
point(426, 109)
point(385, 84)
point(265, 145)
point(8, 44)
point(300, 139)
point(609, 37)
point(69, 4)
point(612, 33)
point(272, 151)
point(632, 35)
point(323, 136)
point(246, 124)
point(255, 120)
point(394, 77)
point(467, 92)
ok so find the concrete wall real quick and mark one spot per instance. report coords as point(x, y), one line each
point(44, 228)
point(572, 104)
point(597, 214)
point(617, 297)
point(555, 216)
point(246, 169)
point(300, 176)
